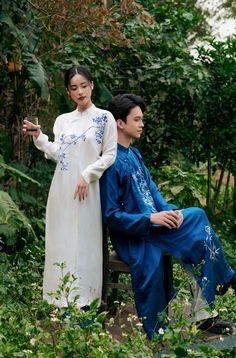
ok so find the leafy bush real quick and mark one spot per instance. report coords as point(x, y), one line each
point(14, 225)
point(184, 188)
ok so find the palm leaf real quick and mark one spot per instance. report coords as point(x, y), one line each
point(34, 66)
point(15, 31)
point(18, 173)
point(37, 74)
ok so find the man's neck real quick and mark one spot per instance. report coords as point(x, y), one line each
point(123, 140)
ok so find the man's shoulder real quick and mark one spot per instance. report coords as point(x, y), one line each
point(136, 152)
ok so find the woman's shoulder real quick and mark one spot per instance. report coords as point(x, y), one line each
point(65, 118)
point(105, 112)
point(67, 115)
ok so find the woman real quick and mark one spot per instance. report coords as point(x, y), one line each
point(84, 146)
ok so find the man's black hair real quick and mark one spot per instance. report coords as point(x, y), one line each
point(121, 105)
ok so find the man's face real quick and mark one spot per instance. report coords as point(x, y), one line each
point(134, 123)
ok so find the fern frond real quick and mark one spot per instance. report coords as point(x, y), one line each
point(12, 221)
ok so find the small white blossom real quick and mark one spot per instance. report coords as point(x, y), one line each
point(33, 341)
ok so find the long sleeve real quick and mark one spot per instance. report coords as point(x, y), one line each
point(109, 146)
point(51, 149)
point(135, 224)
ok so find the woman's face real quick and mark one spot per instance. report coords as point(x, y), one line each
point(80, 90)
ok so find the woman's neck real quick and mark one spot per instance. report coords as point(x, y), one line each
point(81, 109)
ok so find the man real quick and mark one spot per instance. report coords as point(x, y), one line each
point(142, 225)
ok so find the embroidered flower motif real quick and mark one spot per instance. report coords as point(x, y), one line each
point(66, 141)
point(210, 245)
point(144, 189)
point(100, 121)
point(72, 139)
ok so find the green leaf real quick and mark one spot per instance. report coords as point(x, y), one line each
point(18, 173)
point(16, 32)
point(104, 95)
point(38, 75)
point(188, 16)
point(12, 220)
point(177, 189)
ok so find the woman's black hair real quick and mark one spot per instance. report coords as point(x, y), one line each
point(77, 69)
point(121, 105)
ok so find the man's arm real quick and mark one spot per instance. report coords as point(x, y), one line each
point(114, 215)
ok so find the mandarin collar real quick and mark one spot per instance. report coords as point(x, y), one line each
point(88, 111)
point(122, 148)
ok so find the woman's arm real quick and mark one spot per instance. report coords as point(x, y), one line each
point(51, 149)
point(109, 147)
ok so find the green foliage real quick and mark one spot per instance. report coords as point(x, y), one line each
point(15, 173)
point(14, 225)
point(18, 208)
point(184, 188)
point(20, 38)
point(30, 326)
point(141, 47)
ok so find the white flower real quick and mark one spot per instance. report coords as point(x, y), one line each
point(161, 331)
point(33, 341)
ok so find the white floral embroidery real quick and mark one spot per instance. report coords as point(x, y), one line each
point(144, 189)
point(210, 245)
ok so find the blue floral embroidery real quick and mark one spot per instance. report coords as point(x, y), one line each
point(72, 139)
point(210, 245)
point(100, 121)
point(144, 189)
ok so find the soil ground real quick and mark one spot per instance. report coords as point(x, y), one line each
point(122, 324)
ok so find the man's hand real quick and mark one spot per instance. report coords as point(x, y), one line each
point(171, 219)
point(181, 218)
point(81, 189)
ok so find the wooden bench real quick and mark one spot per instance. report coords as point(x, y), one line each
point(113, 266)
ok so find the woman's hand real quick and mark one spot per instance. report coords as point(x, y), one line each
point(31, 129)
point(81, 189)
point(171, 219)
